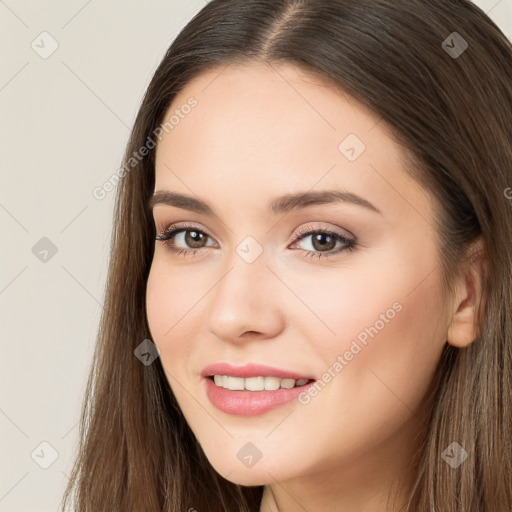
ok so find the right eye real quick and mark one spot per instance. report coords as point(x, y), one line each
point(183, 239)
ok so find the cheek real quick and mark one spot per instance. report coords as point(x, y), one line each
point(389, 330)
point(390, 335)
point(172, 310)
point(160, 303)
point(391, 323)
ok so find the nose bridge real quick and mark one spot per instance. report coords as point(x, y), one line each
point(243, 298)
point(247, 269)
point(243, 282)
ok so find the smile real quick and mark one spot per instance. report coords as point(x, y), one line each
point(247, 402)
point(256, 383)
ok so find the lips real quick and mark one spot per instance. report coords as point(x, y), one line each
point(244, 402)
point(250, 403)
point(252, 370)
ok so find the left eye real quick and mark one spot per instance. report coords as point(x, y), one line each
point(324, 241)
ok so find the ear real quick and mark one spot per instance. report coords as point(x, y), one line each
point(464, 326)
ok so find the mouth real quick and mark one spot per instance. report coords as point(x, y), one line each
point(253, 389)
point(260, 383)
point(252, 396)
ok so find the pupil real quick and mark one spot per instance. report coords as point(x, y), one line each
point(318, 238)
point(193, 237)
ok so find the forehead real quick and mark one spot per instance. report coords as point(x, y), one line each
point(269, 129)
point(263, 106)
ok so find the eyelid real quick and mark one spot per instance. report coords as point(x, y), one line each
point(174, 226)
point(308, 229)
point(296, 235)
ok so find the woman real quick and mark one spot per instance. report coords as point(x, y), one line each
point(308, 304)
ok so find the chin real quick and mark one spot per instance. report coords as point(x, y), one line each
point(236, 473)
point(249, 477)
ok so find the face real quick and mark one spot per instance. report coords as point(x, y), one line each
point(342, 289)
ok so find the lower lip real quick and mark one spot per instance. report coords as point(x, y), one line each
point(250, 403)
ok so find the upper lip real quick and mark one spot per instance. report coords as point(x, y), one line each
point(251, 370)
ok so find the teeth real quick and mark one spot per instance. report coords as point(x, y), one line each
point(272, 383)
point(256, 383)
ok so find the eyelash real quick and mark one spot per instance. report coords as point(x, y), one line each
point(168, 233)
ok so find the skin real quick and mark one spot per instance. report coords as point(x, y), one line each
point(259, 132)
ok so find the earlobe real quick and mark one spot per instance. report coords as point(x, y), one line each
point(469, 298)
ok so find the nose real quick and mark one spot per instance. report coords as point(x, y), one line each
point(245, 304)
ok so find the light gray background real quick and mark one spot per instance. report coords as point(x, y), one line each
point(65, 120)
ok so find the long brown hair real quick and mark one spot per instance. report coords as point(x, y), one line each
point(452, 112)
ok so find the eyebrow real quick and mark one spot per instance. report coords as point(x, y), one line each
point(280, 205)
